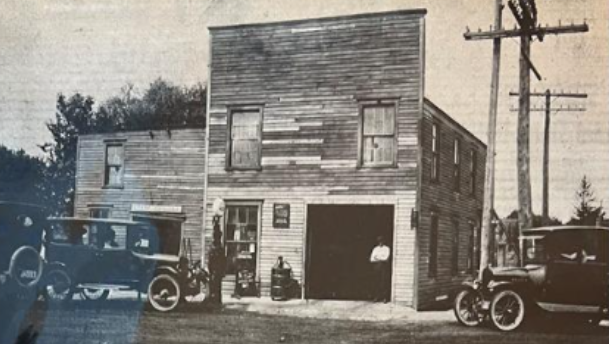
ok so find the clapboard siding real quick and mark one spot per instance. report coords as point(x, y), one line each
point(160, 168)
point(450, 205)
point(309, 78)
point(308, 75)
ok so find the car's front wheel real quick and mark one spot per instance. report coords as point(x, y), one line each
point(468, 308)
point(58, 287)
point(164, 293)
point(507, 310)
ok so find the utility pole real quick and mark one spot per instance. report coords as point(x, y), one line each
point(546, 138)
point(525, 12)
point(489, 176)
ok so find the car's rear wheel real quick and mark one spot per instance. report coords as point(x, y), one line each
point(58, 287)
point(468, 308)
point(164, 293)
point(91, 294)
point(507, 310)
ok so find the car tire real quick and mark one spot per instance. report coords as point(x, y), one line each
point(57, 287)
point(95, 295)
point(164, 293)
point(507, 310)
point(24, 255)
point(467, 308)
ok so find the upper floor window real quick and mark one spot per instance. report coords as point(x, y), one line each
point(473, 170)
point(114, 165)
point(378, 134)
point(435, 152)
point(457, 165)
point(245, 138)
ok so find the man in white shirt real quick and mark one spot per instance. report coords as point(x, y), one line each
point(380, 265)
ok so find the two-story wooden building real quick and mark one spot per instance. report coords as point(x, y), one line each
point(320, 139)
point(152, 176)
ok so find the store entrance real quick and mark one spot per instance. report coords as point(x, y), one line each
point(340, 239)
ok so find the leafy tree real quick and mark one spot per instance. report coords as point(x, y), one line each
point(21, 177)
point(74, 116)
point(586, 212)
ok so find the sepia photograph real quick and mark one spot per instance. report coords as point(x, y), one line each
point(283, 171)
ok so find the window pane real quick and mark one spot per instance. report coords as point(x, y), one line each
point(379, 120)
point(114, 155)
point(253, 216)
point(434, 138)
point(115, 177)
point(245, 153)
point(378, 149)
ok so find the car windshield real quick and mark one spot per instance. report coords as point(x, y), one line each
point(533, 251)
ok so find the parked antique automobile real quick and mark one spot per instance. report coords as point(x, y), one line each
point(94, 256)
point(565, 269)
point(21, 227)
point(21, 267)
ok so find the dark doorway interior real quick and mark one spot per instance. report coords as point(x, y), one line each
point(340, 239)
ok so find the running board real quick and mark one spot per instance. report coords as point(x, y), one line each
point(104, 286)
point(565, 308)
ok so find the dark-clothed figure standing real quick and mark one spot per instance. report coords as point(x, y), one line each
point(379, 258)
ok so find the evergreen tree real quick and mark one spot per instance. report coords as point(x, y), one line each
point(586, 212)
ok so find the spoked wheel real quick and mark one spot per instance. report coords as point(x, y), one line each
point(507, 310)
point(164, 293)
point(91, 294)
point(468, 308)
point(58, 287)
point(203, 293)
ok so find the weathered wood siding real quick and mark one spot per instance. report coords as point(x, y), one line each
point(308, 77)
point(450, 205)
point(161, 168)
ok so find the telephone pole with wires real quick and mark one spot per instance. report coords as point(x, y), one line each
point(548, 109)
point(525, 13)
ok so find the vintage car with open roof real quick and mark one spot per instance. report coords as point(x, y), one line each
point(564, 269)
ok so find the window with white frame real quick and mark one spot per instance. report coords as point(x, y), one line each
point(114, 165)
point(457, 165)
point(435, 152)
point(378, 134)
point(241, 236)
point(245, 138)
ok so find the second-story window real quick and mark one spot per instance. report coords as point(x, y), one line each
point(435, 152)
point(378, 143)
point(245, 139)
point(473, 170)
point(114, 165)
point(457, 165)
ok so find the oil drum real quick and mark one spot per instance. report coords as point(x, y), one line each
point(281, 277)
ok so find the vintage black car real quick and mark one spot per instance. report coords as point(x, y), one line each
point(565, 269)
point(21, 227)
point(94, 256)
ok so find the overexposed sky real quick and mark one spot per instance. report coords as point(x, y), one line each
point(97, 46)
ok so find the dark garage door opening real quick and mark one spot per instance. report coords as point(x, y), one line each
point(340, 239)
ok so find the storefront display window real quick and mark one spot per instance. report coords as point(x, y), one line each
point(241, 237)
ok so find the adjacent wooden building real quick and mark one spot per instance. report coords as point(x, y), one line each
point(154, 176)
point(320, 139)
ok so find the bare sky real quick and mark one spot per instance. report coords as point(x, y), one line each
point(97, 46)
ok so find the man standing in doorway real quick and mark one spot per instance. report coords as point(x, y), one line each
point(380, 265)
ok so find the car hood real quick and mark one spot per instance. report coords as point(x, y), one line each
point(515, 271)
point(158, 257)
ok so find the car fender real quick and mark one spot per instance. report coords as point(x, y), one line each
point(167, 270)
